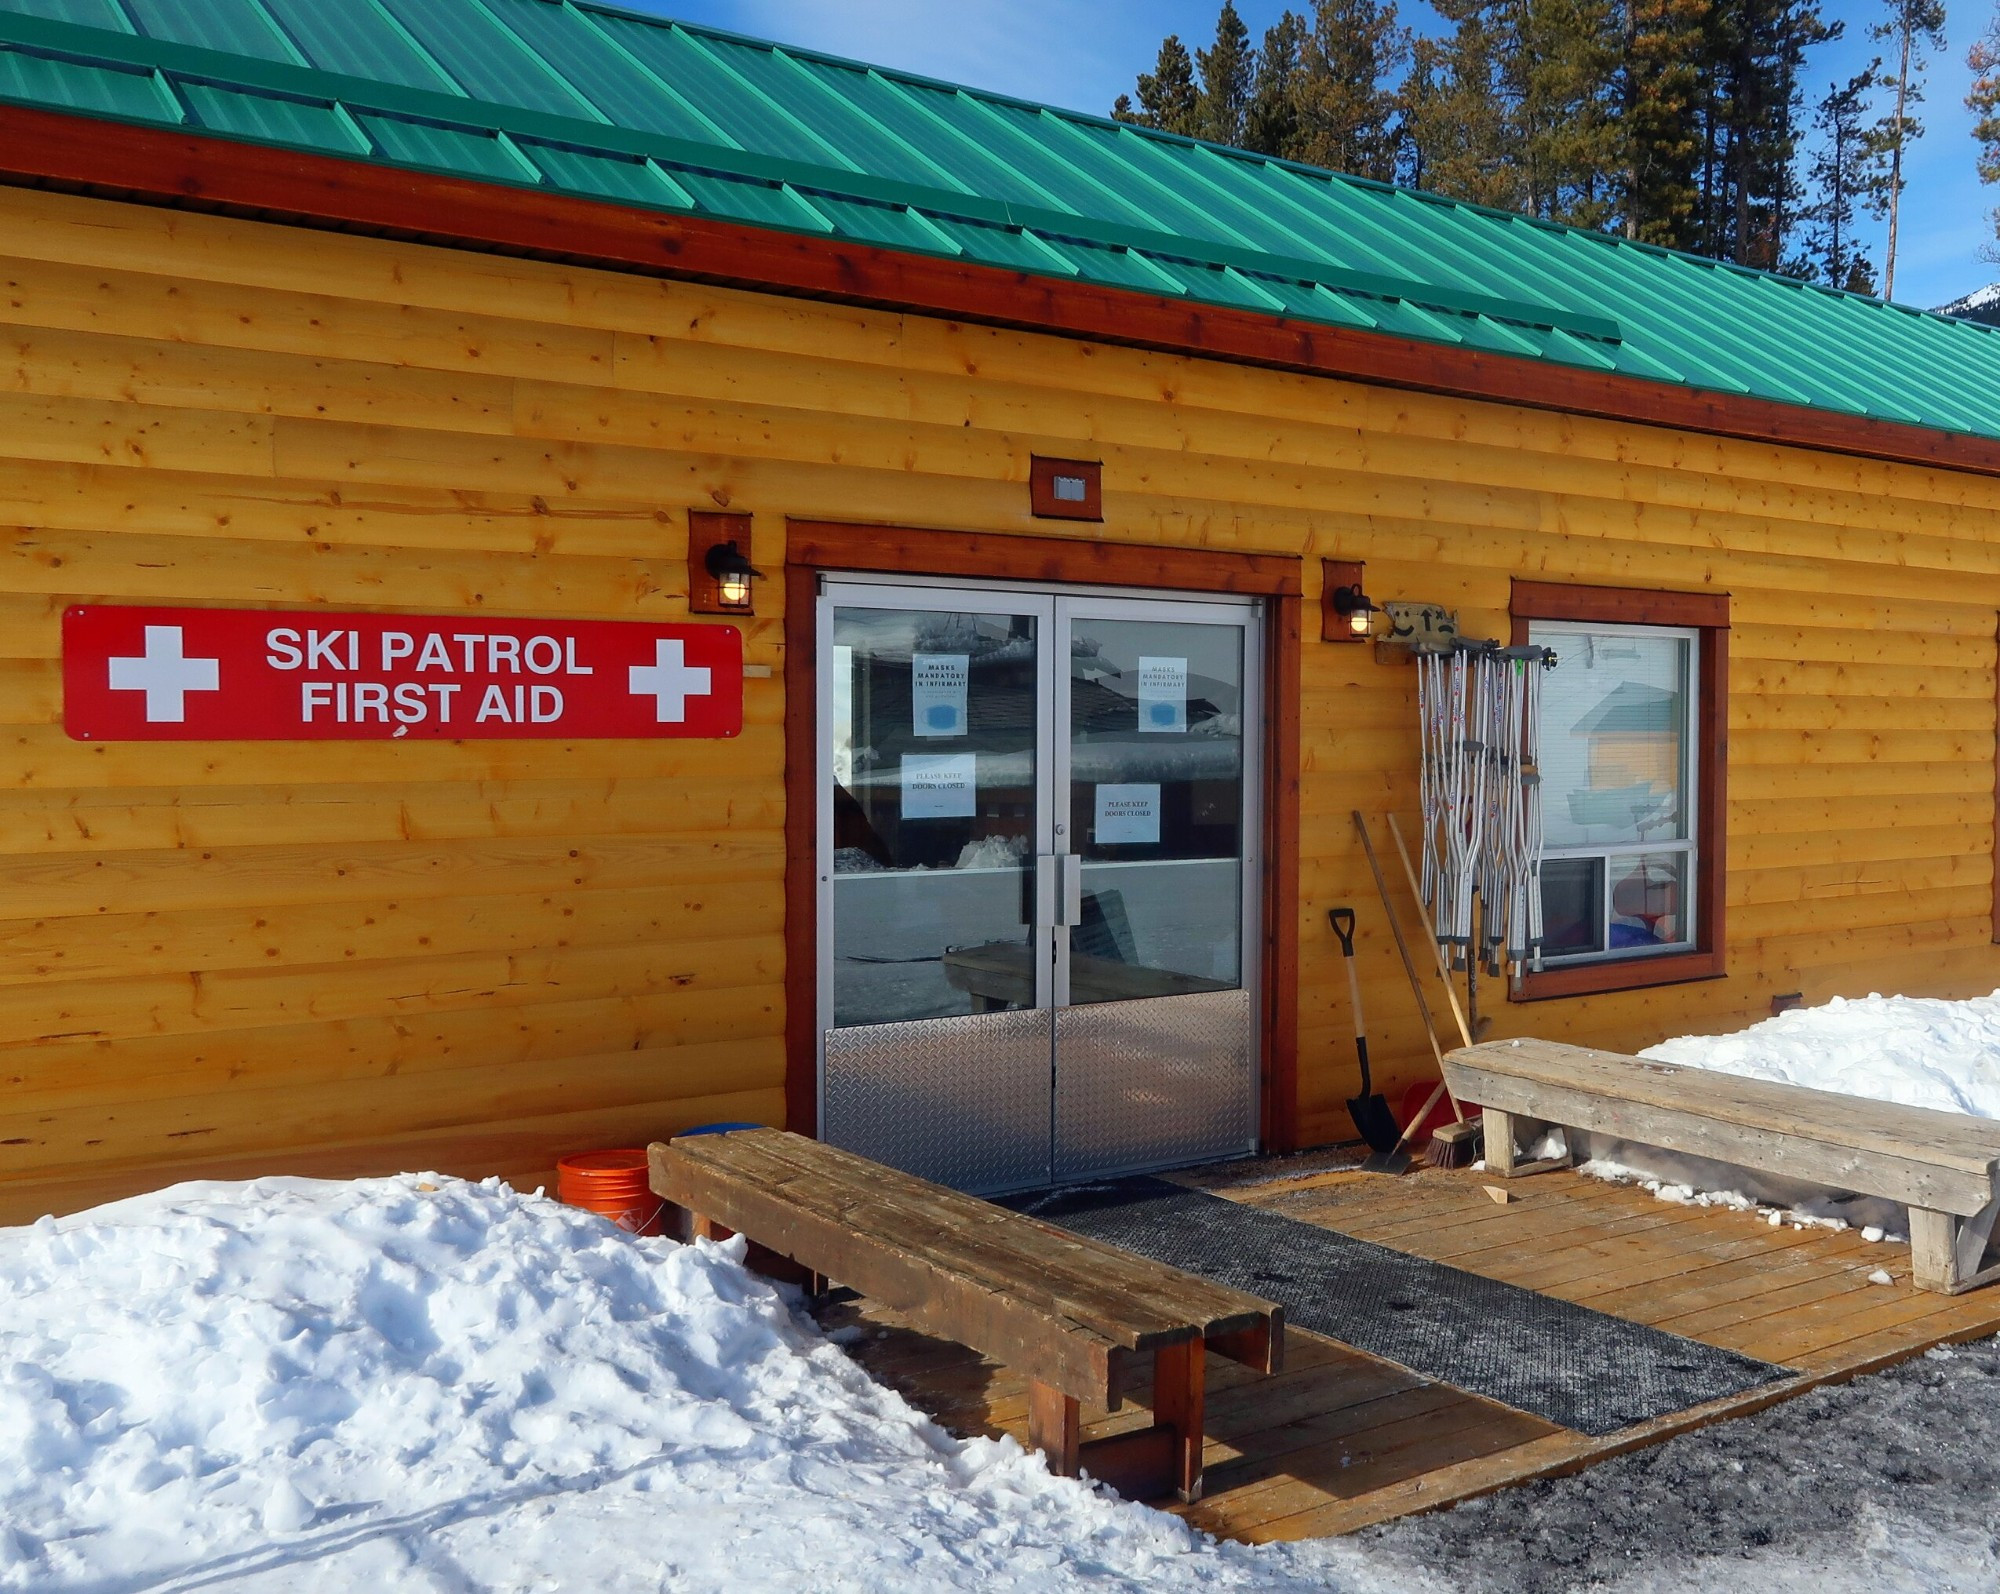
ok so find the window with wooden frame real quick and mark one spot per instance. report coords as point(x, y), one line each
point(1634, 756)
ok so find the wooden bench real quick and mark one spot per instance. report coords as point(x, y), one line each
point(1072, 1314)
point(1941, 1165)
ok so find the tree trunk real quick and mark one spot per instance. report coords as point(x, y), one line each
point(1896, 169)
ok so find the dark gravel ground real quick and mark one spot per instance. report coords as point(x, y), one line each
point(1889, 1482)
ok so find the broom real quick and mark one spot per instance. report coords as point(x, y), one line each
point(1455, 1145)
point(1397, 1159)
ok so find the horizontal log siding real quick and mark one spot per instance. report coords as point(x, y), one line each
point(233, 958)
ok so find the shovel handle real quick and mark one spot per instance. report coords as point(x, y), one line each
point(1343, 926)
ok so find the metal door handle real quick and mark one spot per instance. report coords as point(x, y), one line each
point(1058, 889)
point(1072, 890)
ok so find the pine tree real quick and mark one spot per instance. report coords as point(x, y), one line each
point(1559, 70)
point(1983, 100)
point(1347, 116)
point(1271, 124)
point(1660, 98)
point(1517, 107)
point(1752, 68)
point(1167, 97)
point(1227, 73)
point(1840, 176)
point(1458, 139)
point(1912, 28)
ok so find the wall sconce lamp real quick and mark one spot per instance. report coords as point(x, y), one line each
point(732, 573)
point(1353, 603)
point(719, 572)
point(1347, 614)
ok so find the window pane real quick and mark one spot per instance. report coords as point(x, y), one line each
point(1614, 739)
point(1572, 906)
point(1156, 807)
point(933, 812)
point(1649, 901)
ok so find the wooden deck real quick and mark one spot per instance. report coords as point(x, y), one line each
point(1340, 1440)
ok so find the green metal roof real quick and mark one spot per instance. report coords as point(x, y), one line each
point(590, 100)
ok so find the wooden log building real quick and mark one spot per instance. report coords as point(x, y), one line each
point(371, 360)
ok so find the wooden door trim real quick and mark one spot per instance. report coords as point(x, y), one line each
point(822, 547)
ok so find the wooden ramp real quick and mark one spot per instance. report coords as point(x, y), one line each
point(1340, 1440)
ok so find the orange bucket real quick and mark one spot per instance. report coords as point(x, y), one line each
point(612, 1184)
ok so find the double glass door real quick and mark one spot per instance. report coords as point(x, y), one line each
point(1038, 866)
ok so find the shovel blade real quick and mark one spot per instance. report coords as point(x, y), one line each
point(1391, 1161)
point(1374, 1122)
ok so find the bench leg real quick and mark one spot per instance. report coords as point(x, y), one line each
point(1946, 1250)
point(1502, 1156)
point(1179, 1373)
point(1053, 1426)
point(1933, 1250)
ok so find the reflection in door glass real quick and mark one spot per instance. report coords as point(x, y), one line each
point(933, 723)
point(1156, 807)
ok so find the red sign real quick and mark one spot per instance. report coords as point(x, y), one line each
point(233, 675)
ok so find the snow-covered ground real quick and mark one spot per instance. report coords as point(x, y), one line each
point(421, 1384)
point(1917, 1051)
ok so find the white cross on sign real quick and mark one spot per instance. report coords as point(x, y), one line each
point(670, 681)
point(165, 675)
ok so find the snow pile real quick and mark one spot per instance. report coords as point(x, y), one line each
point(1915, 1051)
point(1919, 1051)
point(417, 1383)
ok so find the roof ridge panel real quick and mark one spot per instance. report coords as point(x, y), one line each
point(319, 36)
point(856, 119)
point(446, 109)
point(174, 19)
point(537, 62)
point(667, 90)
point(1346, 180)
point(1874, 333)
point(836, 161)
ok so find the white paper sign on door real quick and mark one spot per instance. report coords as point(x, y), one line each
point(941, 785)
point(1128, 816)
point(1163, 694)
point(937, 693)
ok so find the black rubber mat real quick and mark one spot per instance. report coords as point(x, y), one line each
point(1582, 1369)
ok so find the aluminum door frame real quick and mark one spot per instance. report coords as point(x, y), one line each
point(914, 1067)
point(1053, 606)
point(1144, 1028)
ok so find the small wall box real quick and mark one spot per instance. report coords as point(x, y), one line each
point(1066, 489)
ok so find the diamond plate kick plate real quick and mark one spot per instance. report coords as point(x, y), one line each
point(1152, 1083)
point(962, 1101)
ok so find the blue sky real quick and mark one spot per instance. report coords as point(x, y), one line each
point(1083, 53)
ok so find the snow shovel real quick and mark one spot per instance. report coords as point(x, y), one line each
point(1369, 1110)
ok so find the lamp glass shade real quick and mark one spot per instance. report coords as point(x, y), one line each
point(732, 573)
point(1356, 606)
